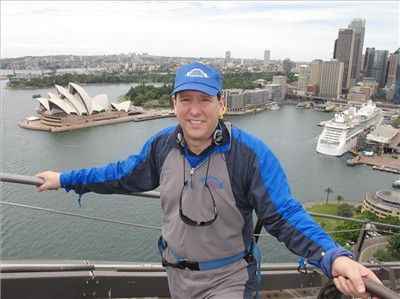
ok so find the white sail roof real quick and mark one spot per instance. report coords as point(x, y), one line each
point(123, 106)
point(100, 103)
point(73, 100)
point(77, 89)
point(44, 102)
point(62, 104)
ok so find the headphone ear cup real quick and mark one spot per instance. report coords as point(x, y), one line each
point(218, 137)
point(180, 140)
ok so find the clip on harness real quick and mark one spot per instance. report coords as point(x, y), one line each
point(251, 255)
point(182, 263)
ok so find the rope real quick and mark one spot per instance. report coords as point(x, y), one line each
point(51, 211)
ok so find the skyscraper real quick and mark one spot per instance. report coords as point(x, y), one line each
point(358, 26)
point(331, 79)
point(343, 52)
point(315, 76)
point(368, 61)
point(393, 78)
point(304, 77)
point(267, 56)
point(379, 66)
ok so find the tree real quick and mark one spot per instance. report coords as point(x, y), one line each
point(339, 199)
point(394, 246)
point(345, 210)
point(328, 191)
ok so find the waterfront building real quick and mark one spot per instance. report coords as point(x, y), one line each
point(312, 89)
point(383, 203)
point(315, 72)
point(304, 77)
point(331, 79)
point(72, 100)
point(379, 66)
point(358, 26)
point(234, 100)
point(344, 52)
point(282, 82)
point(360, 93)
point(384, 139)
point(267, 57)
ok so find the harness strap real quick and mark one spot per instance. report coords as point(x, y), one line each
point(204, 265)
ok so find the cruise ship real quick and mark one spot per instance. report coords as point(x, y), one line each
point(340, 133)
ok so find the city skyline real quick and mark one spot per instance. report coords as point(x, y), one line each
point(192, 29)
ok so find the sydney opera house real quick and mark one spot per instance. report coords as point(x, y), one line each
point(74, 100)
point(72, 108)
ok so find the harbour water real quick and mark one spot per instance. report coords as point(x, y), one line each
point(291, 133)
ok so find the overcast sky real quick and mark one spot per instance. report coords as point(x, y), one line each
point(301, 31)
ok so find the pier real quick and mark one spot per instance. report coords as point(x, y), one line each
point(383, 163)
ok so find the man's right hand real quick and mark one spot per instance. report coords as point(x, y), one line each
point(51, 180)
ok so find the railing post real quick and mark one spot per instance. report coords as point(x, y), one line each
point(360, 240)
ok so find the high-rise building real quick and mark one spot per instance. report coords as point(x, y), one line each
point(393, 77)
point(393, 65)
point(304, 77)
point(315, 74)
point(331, 79)
point(368, 61)
point(358, 26)
point(343, 52)
point(227, 57)
point(267, 56)
point(379, 66)
point(287, 65)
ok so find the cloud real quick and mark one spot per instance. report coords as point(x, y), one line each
point(299, 30)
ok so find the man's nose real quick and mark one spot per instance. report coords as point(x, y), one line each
point(195, 108)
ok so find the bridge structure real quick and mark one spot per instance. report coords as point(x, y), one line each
point(49, 279)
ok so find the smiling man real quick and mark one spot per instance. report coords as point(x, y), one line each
point(212, 176)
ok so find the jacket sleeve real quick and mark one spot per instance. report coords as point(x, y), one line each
point(283, 216)
point(138, 173)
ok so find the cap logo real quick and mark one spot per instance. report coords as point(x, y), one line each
point(196, 73)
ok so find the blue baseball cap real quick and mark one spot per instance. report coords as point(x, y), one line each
point(199, 77)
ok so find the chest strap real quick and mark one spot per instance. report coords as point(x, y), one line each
point(182, 263)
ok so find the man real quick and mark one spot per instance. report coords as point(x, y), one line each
point(211, 177)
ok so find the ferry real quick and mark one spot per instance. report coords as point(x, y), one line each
point(340, 134)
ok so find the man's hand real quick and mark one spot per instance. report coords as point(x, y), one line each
point(348, 274)
point(51, 180)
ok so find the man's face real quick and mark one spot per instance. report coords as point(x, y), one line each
point(198, 115)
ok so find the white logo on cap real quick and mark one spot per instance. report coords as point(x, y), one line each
point(196, 73)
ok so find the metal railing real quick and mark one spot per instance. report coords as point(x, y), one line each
point(84, 279)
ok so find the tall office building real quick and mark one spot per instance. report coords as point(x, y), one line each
point(379, 66)
point(227, 57)
point(343, 52)
point(267, 56)
point(393, 65)
point(358, 26)
point(393, 78)
point(315, 75)
point(368, 61)
point(331, 79)
point(304, 77)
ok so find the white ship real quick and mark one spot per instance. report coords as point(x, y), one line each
point(340, 133)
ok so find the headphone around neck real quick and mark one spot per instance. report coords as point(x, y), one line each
point(217, 137)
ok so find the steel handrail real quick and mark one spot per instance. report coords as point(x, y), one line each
point(32, 180)
point(379, 290)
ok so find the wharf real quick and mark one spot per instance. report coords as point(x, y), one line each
point(38, 125)
point(383, 163)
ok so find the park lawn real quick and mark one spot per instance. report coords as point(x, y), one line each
point(331, 209)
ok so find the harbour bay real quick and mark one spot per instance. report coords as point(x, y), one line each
point(291, 133)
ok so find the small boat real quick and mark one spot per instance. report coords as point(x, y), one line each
point(274, 106)
point(36, 96)
point(396, 184)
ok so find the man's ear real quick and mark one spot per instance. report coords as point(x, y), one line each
point(173, 102)
point(222, 107)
